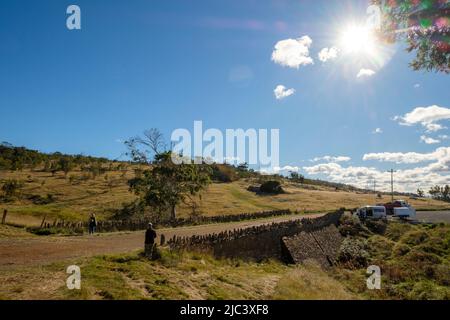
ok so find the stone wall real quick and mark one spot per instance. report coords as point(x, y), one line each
point(255, 243)
point(320, 245)
point(141, 224)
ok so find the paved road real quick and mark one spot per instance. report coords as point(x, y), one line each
point(433, 216)
point(43, 250)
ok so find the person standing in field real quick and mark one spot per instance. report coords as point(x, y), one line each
point(92, 224)
point(150, 236)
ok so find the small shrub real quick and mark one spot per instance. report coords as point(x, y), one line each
point(12, 189)
point(415, 237)
point(396, 230)
point(376, 226)
point(272, 187)
point(54, 230)
point(442, 274)
point(224, 173)
point(427, 290)
point(39, 200)
point(401, 249)
point(352, 226)
point(380, 247)
point(353, 253)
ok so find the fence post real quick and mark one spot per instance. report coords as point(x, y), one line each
point(5, 212)
point(43, 221)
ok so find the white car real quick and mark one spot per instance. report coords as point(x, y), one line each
point(371, 212)
point(405, 212)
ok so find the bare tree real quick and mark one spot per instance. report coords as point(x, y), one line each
point(143, 149)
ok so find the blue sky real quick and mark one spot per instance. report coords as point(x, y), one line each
point(141, 64)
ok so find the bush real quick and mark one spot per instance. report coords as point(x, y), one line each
point(415, 237)
point(39, 200)
point(380, 247)
point(224, 173)
point(53, 230)
point(352, 226)
point(11, 189)
point(396, 230)
point(273, 187)
point(376, 226)
point(427, 290)
point(401, 249)
point(353, 253)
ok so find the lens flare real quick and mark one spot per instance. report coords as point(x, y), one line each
point(357, 39)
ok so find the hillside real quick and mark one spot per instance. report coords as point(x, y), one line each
point(70, 187)
point(75, 195)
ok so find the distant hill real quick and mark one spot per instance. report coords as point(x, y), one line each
point(70, 187)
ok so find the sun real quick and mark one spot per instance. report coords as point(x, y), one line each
point(357, 39)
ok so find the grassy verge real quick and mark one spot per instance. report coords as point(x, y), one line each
point(174, 276)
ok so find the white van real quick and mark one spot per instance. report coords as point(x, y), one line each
point(371, 212)
point(405, 212)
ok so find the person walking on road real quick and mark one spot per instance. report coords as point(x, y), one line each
point(92, 224)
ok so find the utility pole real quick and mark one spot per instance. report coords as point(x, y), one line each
point(392, 183)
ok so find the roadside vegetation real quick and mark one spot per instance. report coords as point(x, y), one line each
point(414, 259)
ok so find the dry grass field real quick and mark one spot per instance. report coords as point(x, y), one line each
point(76, 195)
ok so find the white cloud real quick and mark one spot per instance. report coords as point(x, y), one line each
point(328, 54)
point(293, 53)
point(407, 180)
point(331, 159)
point(409, 157)
point(287, 168)
point(277, 170)
point(429, 140)
point(365, 73)
point(426, 116)
point(433, 127)
point(377, 131)
point(281, 92)
point(444, 137)
point(417, 85)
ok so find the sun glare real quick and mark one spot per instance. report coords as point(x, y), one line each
point(357, 39)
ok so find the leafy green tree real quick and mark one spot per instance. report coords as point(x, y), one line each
point(420, 193)
point(65, 165)
point(440, 193)
point(297, 177)
point(165, 185)
point(11, 189)
point(424, 26)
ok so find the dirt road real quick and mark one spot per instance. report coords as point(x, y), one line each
point(40, 251)
point(43, 250)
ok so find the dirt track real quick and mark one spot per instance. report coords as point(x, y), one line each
point(40, 251)
point(16, 252)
